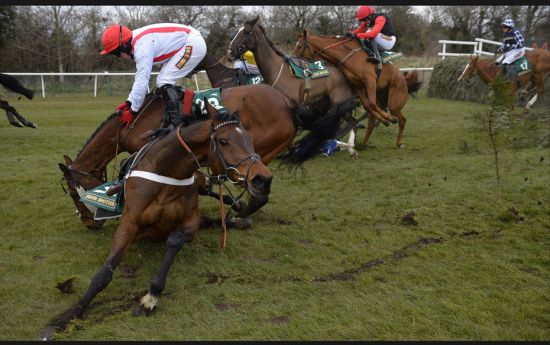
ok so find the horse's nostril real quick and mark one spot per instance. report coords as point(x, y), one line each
point(262, 182)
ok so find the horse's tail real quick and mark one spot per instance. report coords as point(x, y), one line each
point(413, 85)
point(14, 85)
point(321, 126)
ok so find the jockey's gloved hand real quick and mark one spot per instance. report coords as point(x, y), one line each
point(127, 117)
point(124, 106)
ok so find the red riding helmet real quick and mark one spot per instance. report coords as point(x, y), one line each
point(113, 37)
point(364, 11)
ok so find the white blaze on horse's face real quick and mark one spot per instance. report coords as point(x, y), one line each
point(233, 40)
point(463, 76)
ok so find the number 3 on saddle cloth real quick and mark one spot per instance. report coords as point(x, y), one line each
point(107, 200)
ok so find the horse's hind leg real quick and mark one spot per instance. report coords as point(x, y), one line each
point(370, 127)
point(12, 119)
point(123, 237)
point(5, 105)
point(22, 119)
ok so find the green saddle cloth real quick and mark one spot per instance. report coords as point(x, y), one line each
point(197, 106)
point(388, 56)
point(106, 206)
point(299, 68)
point(213, 96)
point(521, 66)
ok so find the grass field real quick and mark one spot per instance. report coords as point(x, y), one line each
point(332, 256)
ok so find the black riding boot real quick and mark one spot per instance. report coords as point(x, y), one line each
point(376, 53)
point(508, 71)
point(172, 106)
point(367, 46)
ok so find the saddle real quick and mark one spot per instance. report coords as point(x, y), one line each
point(301, 68)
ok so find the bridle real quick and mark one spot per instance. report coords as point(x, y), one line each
point(241, 47)
point(219, 179)
point(214, 147)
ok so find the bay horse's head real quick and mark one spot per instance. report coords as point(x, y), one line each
point(471, 68)
point(303, 49)
point(232, 154)
point(78, 182)
point(244, 40)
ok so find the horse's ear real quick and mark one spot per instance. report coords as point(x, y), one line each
point(68, 161)
point(63, 168)
point(255, 20)
point(210, 110)
point(304, 34)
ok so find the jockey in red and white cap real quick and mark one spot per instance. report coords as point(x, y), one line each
point(376, 28)
point(179, 48)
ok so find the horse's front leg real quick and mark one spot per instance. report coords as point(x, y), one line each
point(174, 243)
point(124, 236)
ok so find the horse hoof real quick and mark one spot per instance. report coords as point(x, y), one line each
point(400, 146)
point(16, 124)
point(386, 123)
point(239, 223)
point(47, 333)
point(32, 125)
point(354, 155)
point(393, 119)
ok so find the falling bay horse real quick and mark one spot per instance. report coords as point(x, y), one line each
point(161, 197)
point(487, 70)
point(392, 87)
point(13, 115)
point(264, 111)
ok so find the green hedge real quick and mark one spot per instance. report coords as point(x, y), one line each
point(444, 84)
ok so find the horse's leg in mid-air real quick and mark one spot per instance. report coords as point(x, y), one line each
point(123, 237)
point(539, 86)
point(370, 107)
point(12, 114)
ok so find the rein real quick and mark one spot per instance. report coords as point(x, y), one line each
point(227, 167)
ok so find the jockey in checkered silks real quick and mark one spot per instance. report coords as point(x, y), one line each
point(512, 47)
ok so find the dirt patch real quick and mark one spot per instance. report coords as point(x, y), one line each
point(282, 221)
point(66, 286)
point(227, 306)
point(396, 255)
point(128, 272)
point(469, 233)
point(213, 277)
point(408, 219)
point(305, 242)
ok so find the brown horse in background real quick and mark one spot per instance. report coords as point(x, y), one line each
point(391, 85)
point(15, 119)
point(263, 111)
point(166, 207)
point(529, 83)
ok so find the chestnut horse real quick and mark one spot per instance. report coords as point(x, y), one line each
point(487, 70)
point(12, 84)
point(161, 197)
point(392, 87)
point(264, 111)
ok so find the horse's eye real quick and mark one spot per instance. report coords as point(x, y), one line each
point(223, 142)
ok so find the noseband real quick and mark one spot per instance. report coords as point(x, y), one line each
point(230, 167)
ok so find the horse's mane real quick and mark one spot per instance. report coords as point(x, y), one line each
point(271, 44)
point(146, 100)
point(95, 132)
